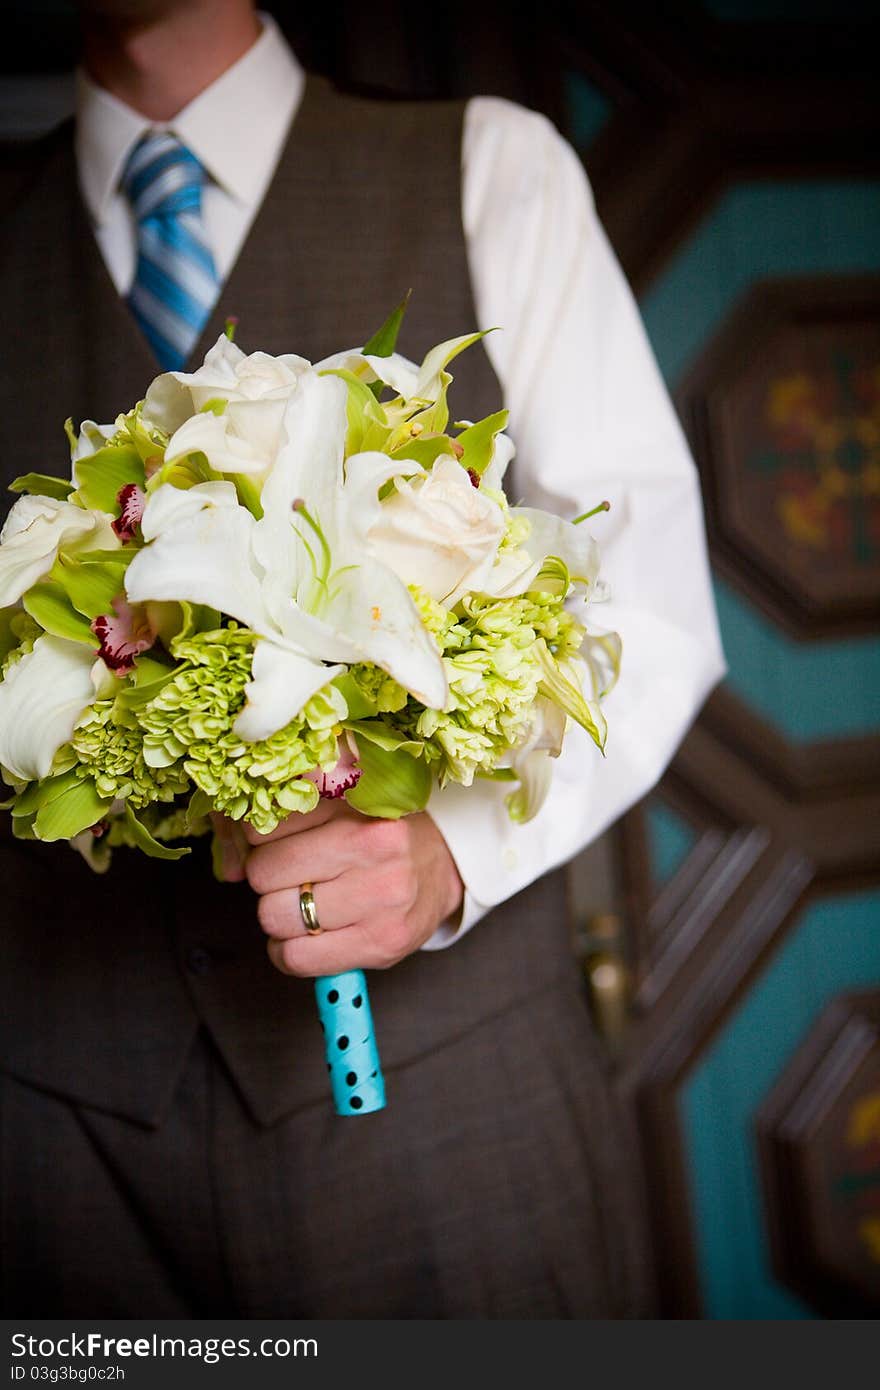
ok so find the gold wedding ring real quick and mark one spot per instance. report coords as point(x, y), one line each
point(307, 911)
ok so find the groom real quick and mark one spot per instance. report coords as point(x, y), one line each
point(175, 1152)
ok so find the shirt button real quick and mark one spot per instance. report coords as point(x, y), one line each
point(198, 960)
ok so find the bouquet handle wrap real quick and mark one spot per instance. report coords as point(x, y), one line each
point(350, 1043)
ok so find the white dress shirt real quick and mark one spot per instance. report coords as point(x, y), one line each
point(589, 414)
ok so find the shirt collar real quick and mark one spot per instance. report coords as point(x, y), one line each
point(235, 127)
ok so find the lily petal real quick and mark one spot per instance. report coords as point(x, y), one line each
point(531, 759)
point(307, 469)
point(90, 439)
point(309, 462)
point(394, 371)
point(517, 569)
point(200, 552)
point(370, 616)
point(281, 683)
point(551, 535)
point(32, 535)
point(169, 505)
point(41, 699)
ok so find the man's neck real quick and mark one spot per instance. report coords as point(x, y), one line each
point(158, 64)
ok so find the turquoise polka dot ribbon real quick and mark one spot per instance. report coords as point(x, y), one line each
point(350, 1043)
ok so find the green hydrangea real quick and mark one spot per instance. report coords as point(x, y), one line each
point(489, 652)
point(517, 528)
point(108, 745)
point(379, 688)
point(21, 627)
point(189, 725)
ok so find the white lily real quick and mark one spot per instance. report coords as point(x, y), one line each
point(531, 759)
point(303, 577)
point(90, 439)
point(414, 383)
point(41, 698)
point(516, 570)
point(35, 530)
point(395, 371)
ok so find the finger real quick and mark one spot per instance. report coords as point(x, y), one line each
point(297, 822)
point(233, 847)
point(338, 904)
point(316, 855)
point(351, 948)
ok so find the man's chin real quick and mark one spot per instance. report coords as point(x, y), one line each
point(140, 12)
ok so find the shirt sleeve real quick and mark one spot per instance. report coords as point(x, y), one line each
point(591, 420)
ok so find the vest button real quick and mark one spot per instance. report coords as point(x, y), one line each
point(198, 960)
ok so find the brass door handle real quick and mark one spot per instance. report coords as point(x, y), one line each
point(608, 978)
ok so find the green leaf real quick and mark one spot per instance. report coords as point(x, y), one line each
point(43, 485)
point(144, 840)
point(478, 441)
point(217, 405)
point(49, 606)
point(391, 785)
point(91, 585)
point(74, 810)
point(384, 340)
point(100, 476)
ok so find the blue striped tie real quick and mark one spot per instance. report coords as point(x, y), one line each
point(175, 285)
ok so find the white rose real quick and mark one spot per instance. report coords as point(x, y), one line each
point(226, 374)
point(244, 439)
point(439, 531)
point(247, 435)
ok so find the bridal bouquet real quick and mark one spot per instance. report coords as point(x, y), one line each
point(272, 581)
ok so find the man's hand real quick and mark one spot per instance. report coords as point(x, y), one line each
point(381, 887)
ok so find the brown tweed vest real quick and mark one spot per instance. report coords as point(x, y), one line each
point(106, 979)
